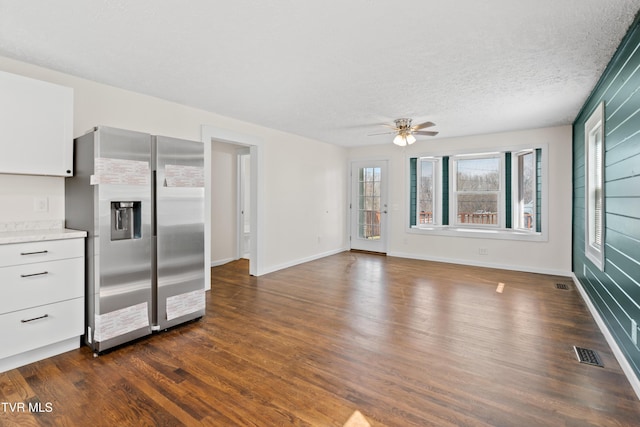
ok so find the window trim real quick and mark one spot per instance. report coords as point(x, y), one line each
point(500, 233)
point(596, 123)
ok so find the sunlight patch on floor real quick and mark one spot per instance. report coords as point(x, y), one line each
point(357, 420)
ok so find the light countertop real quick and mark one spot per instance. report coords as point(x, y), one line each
point(23, 236)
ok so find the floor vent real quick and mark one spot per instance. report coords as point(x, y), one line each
point(588, 356)
point(562, 286)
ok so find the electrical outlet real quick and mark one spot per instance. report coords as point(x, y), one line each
point(41, 204)
point(483, 251)
point(634, 332)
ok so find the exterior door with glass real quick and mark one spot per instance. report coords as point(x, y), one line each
point(369, 205)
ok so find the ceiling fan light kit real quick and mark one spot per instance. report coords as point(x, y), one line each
point(404, 139)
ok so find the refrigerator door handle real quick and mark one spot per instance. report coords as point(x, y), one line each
point(154, 198)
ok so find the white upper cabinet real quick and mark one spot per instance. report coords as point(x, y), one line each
point(36, 127)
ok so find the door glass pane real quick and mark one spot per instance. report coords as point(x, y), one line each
point(369, 203)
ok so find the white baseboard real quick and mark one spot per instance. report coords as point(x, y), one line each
point(298, 261)
point(617, 352)
point(526, 269)
point(216, 263)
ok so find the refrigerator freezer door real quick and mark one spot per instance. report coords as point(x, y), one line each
point(111, 190)
point(179, 214)
point(123, 173)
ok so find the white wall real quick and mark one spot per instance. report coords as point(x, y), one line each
point(18, 194)
point(552, 256)
point(224, 213)
point(303, 180)
point(305, 201)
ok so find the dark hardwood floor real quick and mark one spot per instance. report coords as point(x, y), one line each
point(405, 342)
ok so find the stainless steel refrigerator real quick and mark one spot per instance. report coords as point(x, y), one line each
point(141, 200)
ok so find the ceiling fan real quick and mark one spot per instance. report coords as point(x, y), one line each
point(405, 133)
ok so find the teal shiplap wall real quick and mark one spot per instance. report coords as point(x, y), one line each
point(615, 292)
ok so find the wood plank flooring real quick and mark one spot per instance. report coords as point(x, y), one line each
point(405, 342)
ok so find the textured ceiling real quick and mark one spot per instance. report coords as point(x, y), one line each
point(333, 70)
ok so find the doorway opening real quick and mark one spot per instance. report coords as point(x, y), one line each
point(231, 194)
point(234, 141)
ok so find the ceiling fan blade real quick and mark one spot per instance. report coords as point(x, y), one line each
point(425, 132)
point(383, 133)
point(423, 125)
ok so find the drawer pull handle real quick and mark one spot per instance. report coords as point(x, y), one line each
point(34, 274)
point(34, 253)
point(35, 318)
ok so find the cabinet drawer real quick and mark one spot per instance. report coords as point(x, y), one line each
point(31, 285)
point(29, 329)
point(45, 250)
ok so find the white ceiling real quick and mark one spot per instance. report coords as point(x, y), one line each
point(333, 70)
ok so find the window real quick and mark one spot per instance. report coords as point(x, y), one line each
point(499, 194)
point(594, 188)
point(427, 194)
point(477, 190)
point(525, 200)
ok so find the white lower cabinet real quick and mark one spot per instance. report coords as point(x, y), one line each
point(36, 327)
point(42, 304)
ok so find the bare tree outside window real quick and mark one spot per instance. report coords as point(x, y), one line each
point(527, 190)
point(426, 190)
point(502, 190)
point(477, 190)
point(369, 179)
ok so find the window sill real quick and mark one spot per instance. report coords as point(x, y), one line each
point(479, 233)
point(596, 256)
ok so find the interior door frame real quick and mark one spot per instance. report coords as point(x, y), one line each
point(384, 222)
point(240, 200)
point(258, 222)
